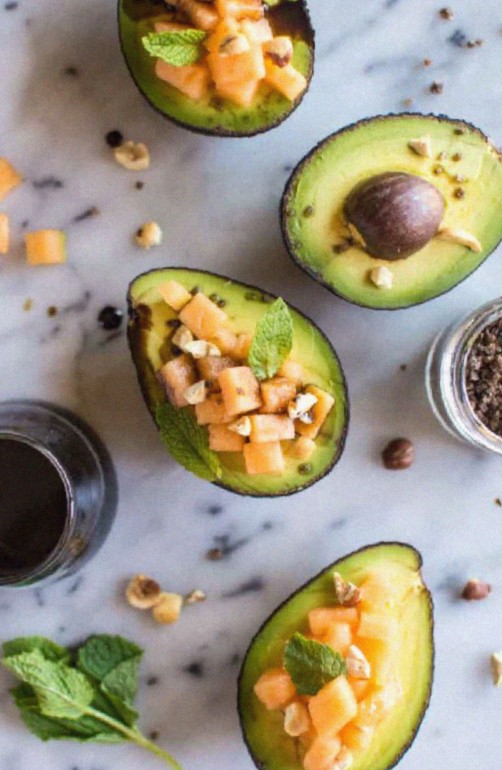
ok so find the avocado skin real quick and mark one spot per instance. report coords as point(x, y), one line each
point(287, 194)
point(140, 321)
point(256, 640)
point(300, 15)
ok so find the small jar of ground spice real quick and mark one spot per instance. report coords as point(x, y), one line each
point(464, 377)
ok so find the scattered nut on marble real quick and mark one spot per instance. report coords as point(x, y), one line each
point(143, 592)
point(132, 155)
point(167, 609)
point(475, 590)
point(398, 454)
point(148, 235)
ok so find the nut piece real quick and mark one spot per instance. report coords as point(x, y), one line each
point(231, 45)
point(299, 407)
point(196, 393)
point(181, 337)
point(398, 454)
point(357, 664)
point(344, 759)
point(241, 426)
point(195, 596)
point(382, 277)
point(168, 608)
point(476, 589)
point(347, 594)
point(421, 146)
point(279, 50)
point(296, 719)
point(133, 156)
point(148, 235)
point(201, 349)
point(496, 662)
point(142, 592)
point(460, 236)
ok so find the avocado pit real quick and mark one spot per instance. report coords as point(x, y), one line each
point(396, 214)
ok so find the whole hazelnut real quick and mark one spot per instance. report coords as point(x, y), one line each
point(398, 454)
point(475, 589)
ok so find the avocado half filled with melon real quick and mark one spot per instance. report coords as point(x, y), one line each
point(340, 675)
point(220, 67)
point(245, 390)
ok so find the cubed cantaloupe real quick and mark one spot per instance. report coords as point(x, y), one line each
point(45, 247)
point(264, 458)
point(212, 410)
point(203, 317)
point(292, 370)
point(4, 234)
point(357, 738)
point(377, 626)
point(240, 9)
point(339, 637)
point(375, 706)
point(242, 94)
point(275, 688)
point(221, 439)
point(210, 367)
point(287, 80)
point(322, 753)
point(177, 376)
point(225, 340)
point(241, 349)
point(257, 31)
point(377, 593)
point(225, 29)
point(359, 686)
point(240, 69)
point(174, 294)
point(380, 654)
point(203, 15)
point(333, 706)
point(319, 411)
point(321, 618)
point(276, 394)
point(271, 427)
point(302, 448)
point(240, 390)
point(191, 79)
point(9, 178)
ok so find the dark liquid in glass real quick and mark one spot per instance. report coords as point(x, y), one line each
point(33, 507)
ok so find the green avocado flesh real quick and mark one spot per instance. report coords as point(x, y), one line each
point(245, 305)
point(270, 747)
point(313, 202)
point(213, 115)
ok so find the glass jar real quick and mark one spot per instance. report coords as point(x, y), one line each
point(446, 377)
point(58, 493)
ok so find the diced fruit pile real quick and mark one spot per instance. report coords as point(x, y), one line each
point(238, 54)
point(265, 419)
point(336, 724)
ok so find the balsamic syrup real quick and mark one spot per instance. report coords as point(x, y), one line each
point(33, 507)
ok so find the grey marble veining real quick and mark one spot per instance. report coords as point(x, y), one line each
point(63, 86)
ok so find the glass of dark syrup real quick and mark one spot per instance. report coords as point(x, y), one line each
point(58, 493)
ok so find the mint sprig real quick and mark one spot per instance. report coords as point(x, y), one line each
point(187, 441)
point(272, 341)
point(84, 697)
point(176, 47)
point(311, 664)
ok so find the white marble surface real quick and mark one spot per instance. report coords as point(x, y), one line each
point(217, 203)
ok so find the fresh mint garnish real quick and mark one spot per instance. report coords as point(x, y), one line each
point(272, 341)
point(187, 441)
point(176, 47)
point(311, 664)
point(85, 696)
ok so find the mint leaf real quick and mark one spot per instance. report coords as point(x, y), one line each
point(49, 649)
point(176, 47)
point(311, 664)
point(187, 441)
point(272, 341)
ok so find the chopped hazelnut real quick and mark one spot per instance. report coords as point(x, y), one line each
point(195, 596)
point(181, 337)
point(299, 408)
point(347, 594)
point(421, 146)
point(436, 87)
point(148, 235)
point(398, 454)
point(168, 608)
point(446, 14)
point(475, 589)
point(279, 50)
point(142, 592)
point(382, 277)
point(196, 393)
point(357, 664)
point(132, 155)
point(462, 237)
point(496, 663)
point(231, 45)
point(296, 719)
point(242, 426)
point(201, 349)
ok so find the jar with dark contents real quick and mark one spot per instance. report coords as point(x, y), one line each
point(464, 377)
point(58, 493)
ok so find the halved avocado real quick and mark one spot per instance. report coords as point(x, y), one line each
point(462, 165)
point(148, 332)
point(263, 732)
point(215, 116)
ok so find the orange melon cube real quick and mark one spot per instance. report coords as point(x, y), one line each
point(221, 439)
point(275, 689)
point(380, 655)
point(203, 15)
point(191, 79)
point(357, 738)
point(240, 390)
point(238, 69)
point(174, 294)
point(210, 367)
point(372, 709)
point(302, 448)
point(359, 686)
point(292, 370)
point(287, 80)
point(242, 94)
point(203, 317)
point(322, 753)
point(177, 376)
point(322, 618)
point(376, 626)
point(276, 394)
point(9, 178)
point(45, 247)
point(4, 234)
point(225, 340)
point(271, 427)
point(263, 458)
point(241, 349)
point(169, 26)
point(320, 411)
point(257, 31)
point(339, 637)
point(240, 9)
point(333, 707)
point(212, 410)
point(221, 32)
point(377, 593)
